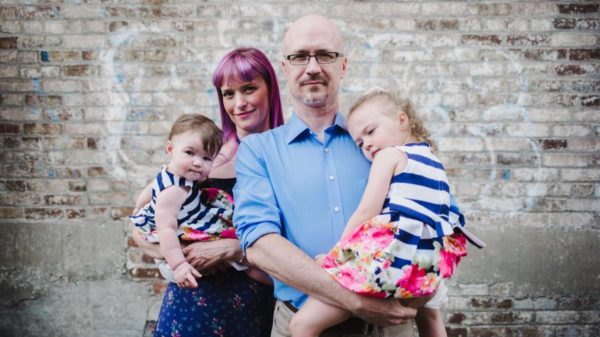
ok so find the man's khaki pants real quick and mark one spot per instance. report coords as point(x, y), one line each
point(283, 315)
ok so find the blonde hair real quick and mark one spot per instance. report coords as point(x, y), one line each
point(210, 134)
point(397, 104)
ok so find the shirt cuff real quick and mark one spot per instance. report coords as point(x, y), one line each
point(250, 237)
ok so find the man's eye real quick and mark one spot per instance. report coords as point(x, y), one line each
point(325, 57)
point(299, 57)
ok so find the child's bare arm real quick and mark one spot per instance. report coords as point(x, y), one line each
point(168, 204)
point(384, 165)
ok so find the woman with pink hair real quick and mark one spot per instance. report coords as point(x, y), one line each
point(227, 302)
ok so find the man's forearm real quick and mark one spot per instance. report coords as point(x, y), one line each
point(284, 261)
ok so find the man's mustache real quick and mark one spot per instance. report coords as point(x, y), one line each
point(314, 78)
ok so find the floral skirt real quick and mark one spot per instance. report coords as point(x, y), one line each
point(229, 304)
point(377, 261)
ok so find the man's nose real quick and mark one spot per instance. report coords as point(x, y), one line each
point(313, 67)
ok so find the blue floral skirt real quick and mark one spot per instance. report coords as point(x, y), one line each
point(229, 304)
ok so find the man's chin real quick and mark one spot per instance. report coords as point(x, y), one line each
point(314, 100)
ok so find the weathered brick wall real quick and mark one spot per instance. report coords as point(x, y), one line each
point(88, 90)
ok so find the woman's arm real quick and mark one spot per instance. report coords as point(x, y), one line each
point(150, 249)
point(144, 198)
point(386, 163)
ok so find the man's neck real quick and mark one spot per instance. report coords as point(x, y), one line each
point(317, 119)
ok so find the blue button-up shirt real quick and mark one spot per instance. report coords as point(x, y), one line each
point(291, 183)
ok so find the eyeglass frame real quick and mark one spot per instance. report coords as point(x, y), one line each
point(337, 55)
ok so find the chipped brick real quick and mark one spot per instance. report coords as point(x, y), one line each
point(120, 212)
point(457, 318)
point(528, 40)
point(16, 185)
point(569, 69)
point(553, 144)
point(456, 332)
point(590, 100)
point(42, 129)
point(584, 54)
point(144, 272)
point(55, 200)
point(8, 43)
point(116, 25)
point(75, 213)
point(77, 186)
point(564, 23)
point(147, 258)
point(43, 213)
point(97, 171)
point(159, 287)
point(577, 9)
point(6, 128)
point(484, 39)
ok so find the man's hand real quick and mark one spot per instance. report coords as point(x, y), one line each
point(382, 312)
point(211, 257)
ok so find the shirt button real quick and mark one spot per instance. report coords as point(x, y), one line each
point(331, 177)
point(337, 209)
point(326, 150)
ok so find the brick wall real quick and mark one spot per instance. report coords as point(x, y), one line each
point(87, 92)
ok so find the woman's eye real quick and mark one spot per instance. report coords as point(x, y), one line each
point(227, 94)
point(249, 90)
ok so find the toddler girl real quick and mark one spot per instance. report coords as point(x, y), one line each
point(405, 236)
point(179, 209)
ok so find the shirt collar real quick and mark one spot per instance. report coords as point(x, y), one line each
point(297, 128)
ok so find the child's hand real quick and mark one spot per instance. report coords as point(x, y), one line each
point(185, 276)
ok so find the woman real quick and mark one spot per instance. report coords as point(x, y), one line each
point(226, 302)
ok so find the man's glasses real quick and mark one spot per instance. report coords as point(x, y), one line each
point(323, 57)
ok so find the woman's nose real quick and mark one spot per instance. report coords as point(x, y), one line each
point(240, 101)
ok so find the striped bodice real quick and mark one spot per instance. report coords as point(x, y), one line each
point(421, 191)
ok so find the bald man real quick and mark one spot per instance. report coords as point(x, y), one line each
point(299, 184)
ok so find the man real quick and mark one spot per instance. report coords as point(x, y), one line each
point(299, 184)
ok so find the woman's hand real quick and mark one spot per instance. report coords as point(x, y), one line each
point(150, 249)
point(211, 257)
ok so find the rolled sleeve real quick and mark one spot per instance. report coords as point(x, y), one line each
point(256, 211)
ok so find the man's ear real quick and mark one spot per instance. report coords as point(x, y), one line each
point(344, 63)
point(284, 68)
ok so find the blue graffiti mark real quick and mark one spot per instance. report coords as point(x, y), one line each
point(52, 172)
point(506, 174)
point(44, 56)
point(37, 85)
point(53, 114)
point(120, 78)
